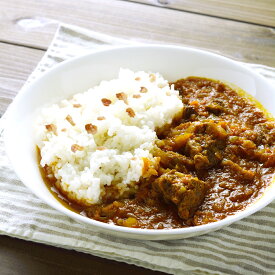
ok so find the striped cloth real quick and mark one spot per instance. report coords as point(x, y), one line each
point(246, 247)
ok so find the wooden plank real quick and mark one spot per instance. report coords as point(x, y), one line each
point(21, 257)
point(32, 23)
point(15, 66)
point(252, 11)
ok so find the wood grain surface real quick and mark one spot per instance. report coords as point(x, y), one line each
point(27, 27)
point(18, 257)
point(34, 26)
point(251, 11)
point(16, 65)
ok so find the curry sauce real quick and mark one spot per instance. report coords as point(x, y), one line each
point(214, 160)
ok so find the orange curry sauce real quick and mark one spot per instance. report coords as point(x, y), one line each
point(214, 161)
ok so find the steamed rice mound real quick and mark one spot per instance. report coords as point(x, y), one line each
point(98, 144)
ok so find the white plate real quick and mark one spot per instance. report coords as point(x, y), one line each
point(81, 73)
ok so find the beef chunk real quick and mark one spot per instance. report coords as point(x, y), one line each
point(192, 148)
point(203, 142)
point(201, 162)
point(183, 190)
point(214, 152)
point(173, 160)
point(206, 147)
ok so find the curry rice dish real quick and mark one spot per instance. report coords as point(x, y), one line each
point(140, 152)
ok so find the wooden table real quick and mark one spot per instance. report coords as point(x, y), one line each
point(243, 30)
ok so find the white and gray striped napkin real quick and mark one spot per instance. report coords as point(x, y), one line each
point(246, 247)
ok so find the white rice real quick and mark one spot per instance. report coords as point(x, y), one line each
point(114, 155)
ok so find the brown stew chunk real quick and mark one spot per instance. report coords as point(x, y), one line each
point(185, 191)
point(174, 160)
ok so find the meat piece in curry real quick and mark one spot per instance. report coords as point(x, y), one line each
point(202, 141)
point(185, 191)
point(214, 160)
